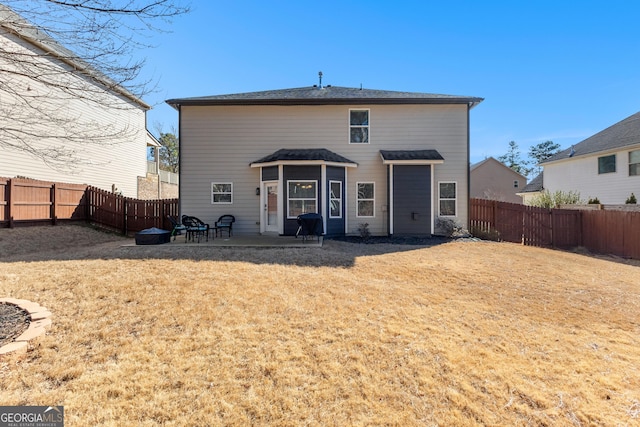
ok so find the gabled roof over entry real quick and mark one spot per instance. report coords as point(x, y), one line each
point(326, 95)
point(411, 156)
point(304, 156)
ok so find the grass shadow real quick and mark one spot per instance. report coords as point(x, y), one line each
point(75, 242)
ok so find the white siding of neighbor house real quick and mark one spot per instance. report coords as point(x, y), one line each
point(106, 163)
point(581, 174)
point(219, 142)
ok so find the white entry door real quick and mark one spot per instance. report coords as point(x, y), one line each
point(270, 209)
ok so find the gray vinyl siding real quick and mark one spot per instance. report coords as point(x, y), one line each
point(219, 142)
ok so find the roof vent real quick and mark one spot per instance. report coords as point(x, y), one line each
point(320, 77)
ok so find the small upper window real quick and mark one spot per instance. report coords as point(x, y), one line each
point(516, 184)
point(221, 193)
point(359, 126)
point(634, 163)
point(607, 164)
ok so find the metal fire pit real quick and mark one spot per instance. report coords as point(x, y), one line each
point(153, 236)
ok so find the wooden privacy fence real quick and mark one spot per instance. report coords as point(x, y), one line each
point(25, 202)
point(600, 231)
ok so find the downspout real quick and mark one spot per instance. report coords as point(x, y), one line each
point(179, 161)
point(468, 165)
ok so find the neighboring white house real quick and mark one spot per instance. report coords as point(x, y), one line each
point(99, 135)
point(395, 161)
point(604, 166)
point(493, 180)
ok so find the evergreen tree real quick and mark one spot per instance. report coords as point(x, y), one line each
point(513, 160)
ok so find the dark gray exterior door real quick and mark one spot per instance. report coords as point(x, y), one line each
point(411, 200)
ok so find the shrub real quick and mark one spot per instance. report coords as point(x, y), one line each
point(363, 229)
point(450, 228)
point(594, 201)
point(631, 200)
point(553, 200)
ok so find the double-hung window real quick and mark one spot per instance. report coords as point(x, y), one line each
point(607, 164)
point(358, 126)
point(447, 198)
point(335, 199)
point(365, 199)
point(221, 193)
point(634, 163)
point(302, 198)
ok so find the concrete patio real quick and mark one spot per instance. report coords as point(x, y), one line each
point(256, 240)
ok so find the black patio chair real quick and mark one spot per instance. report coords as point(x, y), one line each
point(225, 222)
point(196, 228)
point(177, 228)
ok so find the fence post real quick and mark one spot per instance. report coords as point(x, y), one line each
point(11, 202)
point(125, 207)
point(53, 204)
point(552, 226)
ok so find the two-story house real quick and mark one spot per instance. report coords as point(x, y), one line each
point(62, 120)
point(395, 161)
point(605, 166)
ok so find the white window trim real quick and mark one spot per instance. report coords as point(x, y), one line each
point(358, 199)
point(615, 164)
point(230, 192)
point(331, 182)
point(455, 199)
point(629, 165)
point(289, 198)
point(368, 110)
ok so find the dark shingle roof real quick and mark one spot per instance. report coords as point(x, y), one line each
point(535, 185)
point(622, 134)
point(304, 154)
point(326, 95)
point(399, 155)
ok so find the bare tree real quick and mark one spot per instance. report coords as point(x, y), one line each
point(62, 61)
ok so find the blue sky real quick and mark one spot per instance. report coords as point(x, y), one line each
point(548, 70)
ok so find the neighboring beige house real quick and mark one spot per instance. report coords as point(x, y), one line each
point(101, 132)
point(604, 166)
point(493, 180)
point(395, 161)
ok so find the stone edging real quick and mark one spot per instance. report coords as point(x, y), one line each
point(40, 322)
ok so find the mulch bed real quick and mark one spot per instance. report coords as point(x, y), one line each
point(396, 240)
point(13, 322)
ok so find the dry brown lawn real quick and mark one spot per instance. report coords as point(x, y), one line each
point(459, 334)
